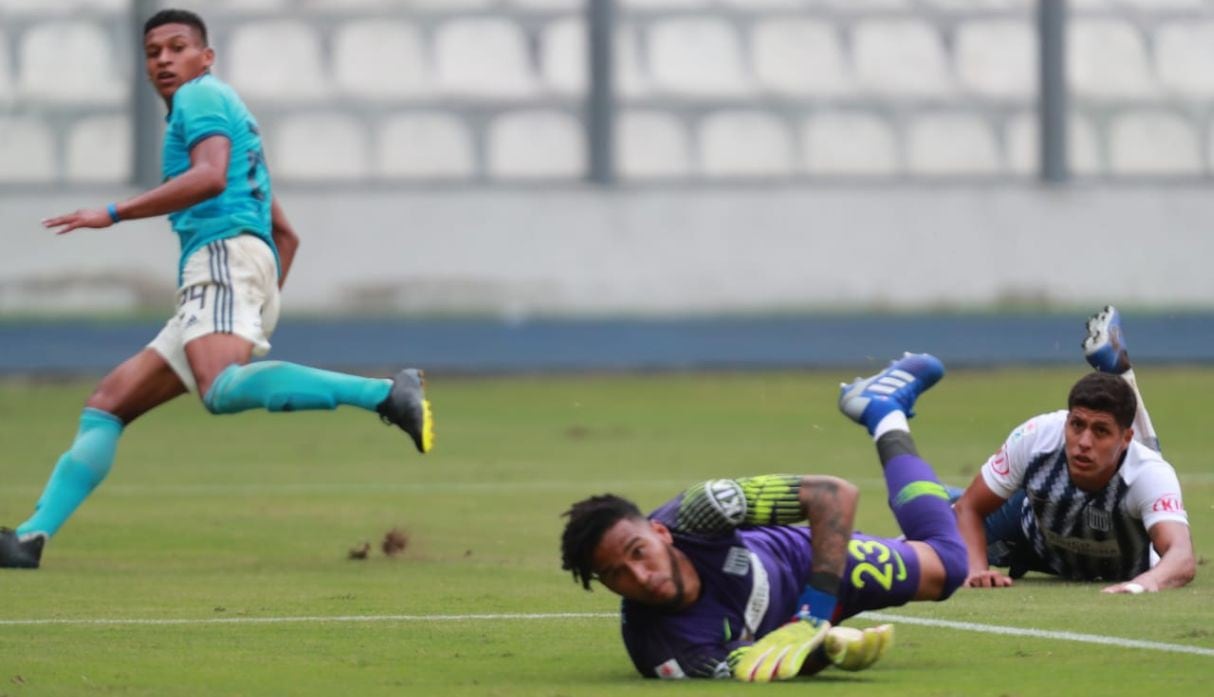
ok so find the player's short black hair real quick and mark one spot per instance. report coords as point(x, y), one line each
point(588, 520)
point(1105, 392)
point(177, 17)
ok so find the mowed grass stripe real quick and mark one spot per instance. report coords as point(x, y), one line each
point(305, 488)
point(312, 619)
point(877, 616)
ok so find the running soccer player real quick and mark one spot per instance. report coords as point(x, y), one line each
point(717, 582)
point(1083, 493)
point(236, 250)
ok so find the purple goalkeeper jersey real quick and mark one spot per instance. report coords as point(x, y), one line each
point(751, 579)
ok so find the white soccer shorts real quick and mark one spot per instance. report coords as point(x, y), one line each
point(229, 287)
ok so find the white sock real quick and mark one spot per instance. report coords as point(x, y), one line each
point(893, 421)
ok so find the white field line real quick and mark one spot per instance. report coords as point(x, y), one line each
point(877, 616)
point(1040, 634)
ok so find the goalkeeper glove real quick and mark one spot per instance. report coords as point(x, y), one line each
point(780, 654)
point(855, 649)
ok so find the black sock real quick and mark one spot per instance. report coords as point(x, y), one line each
point(895, 443)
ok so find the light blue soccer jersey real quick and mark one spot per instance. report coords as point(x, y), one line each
point(204, 107)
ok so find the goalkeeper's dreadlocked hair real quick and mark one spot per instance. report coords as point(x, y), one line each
point(588, 520)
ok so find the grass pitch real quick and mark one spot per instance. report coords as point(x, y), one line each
point(213, 559)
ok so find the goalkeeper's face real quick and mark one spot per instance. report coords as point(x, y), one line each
point(637, 559)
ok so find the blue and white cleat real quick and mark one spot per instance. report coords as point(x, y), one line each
point(867, 400)
point(1104, 347)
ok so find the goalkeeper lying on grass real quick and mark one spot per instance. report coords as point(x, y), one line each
point(718, 583)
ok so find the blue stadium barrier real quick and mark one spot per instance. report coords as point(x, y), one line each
point(536, 346)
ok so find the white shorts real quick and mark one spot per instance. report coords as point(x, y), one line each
point(228, 287)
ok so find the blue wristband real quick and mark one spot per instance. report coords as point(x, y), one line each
point(112, 209)
point(816, 603)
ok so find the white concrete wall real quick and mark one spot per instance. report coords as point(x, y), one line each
point(675, 250)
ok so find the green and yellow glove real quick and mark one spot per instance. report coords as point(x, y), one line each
point(856, 649)
point(780, 654)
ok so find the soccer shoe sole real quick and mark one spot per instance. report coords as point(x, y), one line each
point(1104, 347)
point(407, 407)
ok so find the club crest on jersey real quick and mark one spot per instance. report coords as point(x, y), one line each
point(737, 561)
point(1099, 519)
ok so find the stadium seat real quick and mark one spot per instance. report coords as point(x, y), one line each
point(483, 57)
point(849, 143)
point(652, 145)
point(869, 4)
point(1184, 56)
point(275, 59)
point(318, 146)
point(630, 77)
point(951, 144)
point(696, 56)
point(380, 58)
point(1154, 143)
point(660, 4)
point(563, 59)
point(1107, 58)
point(1024, 145)
point(745, 144)
point(424, 5)
point(900, 56)
point(1164, 5)
point(6, 82)
point(997, 58)
point(62, 7)
point(70, 61)
point(202, 6)
point(425, 146)
point(972, 5)
point(99, 150)
point(27, 150)
point(764, 5)
point(536, 145)
point(800, 57)
point(571, 5)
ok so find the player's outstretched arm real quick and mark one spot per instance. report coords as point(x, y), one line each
point(285, 239)
point(1177, 565)
point(206, 178)
point(972, 508)
point(829, 503)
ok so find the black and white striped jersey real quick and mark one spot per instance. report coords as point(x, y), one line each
point(1089, 536)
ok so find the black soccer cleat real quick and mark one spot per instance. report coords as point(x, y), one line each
point(406, 406)
point(16, 553)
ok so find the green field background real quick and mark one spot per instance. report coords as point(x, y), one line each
point(251, 516)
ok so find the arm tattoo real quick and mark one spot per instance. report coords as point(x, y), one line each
point(830, 514)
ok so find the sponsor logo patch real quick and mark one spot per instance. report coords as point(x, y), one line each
point(1168, 503)
point(670, 670)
